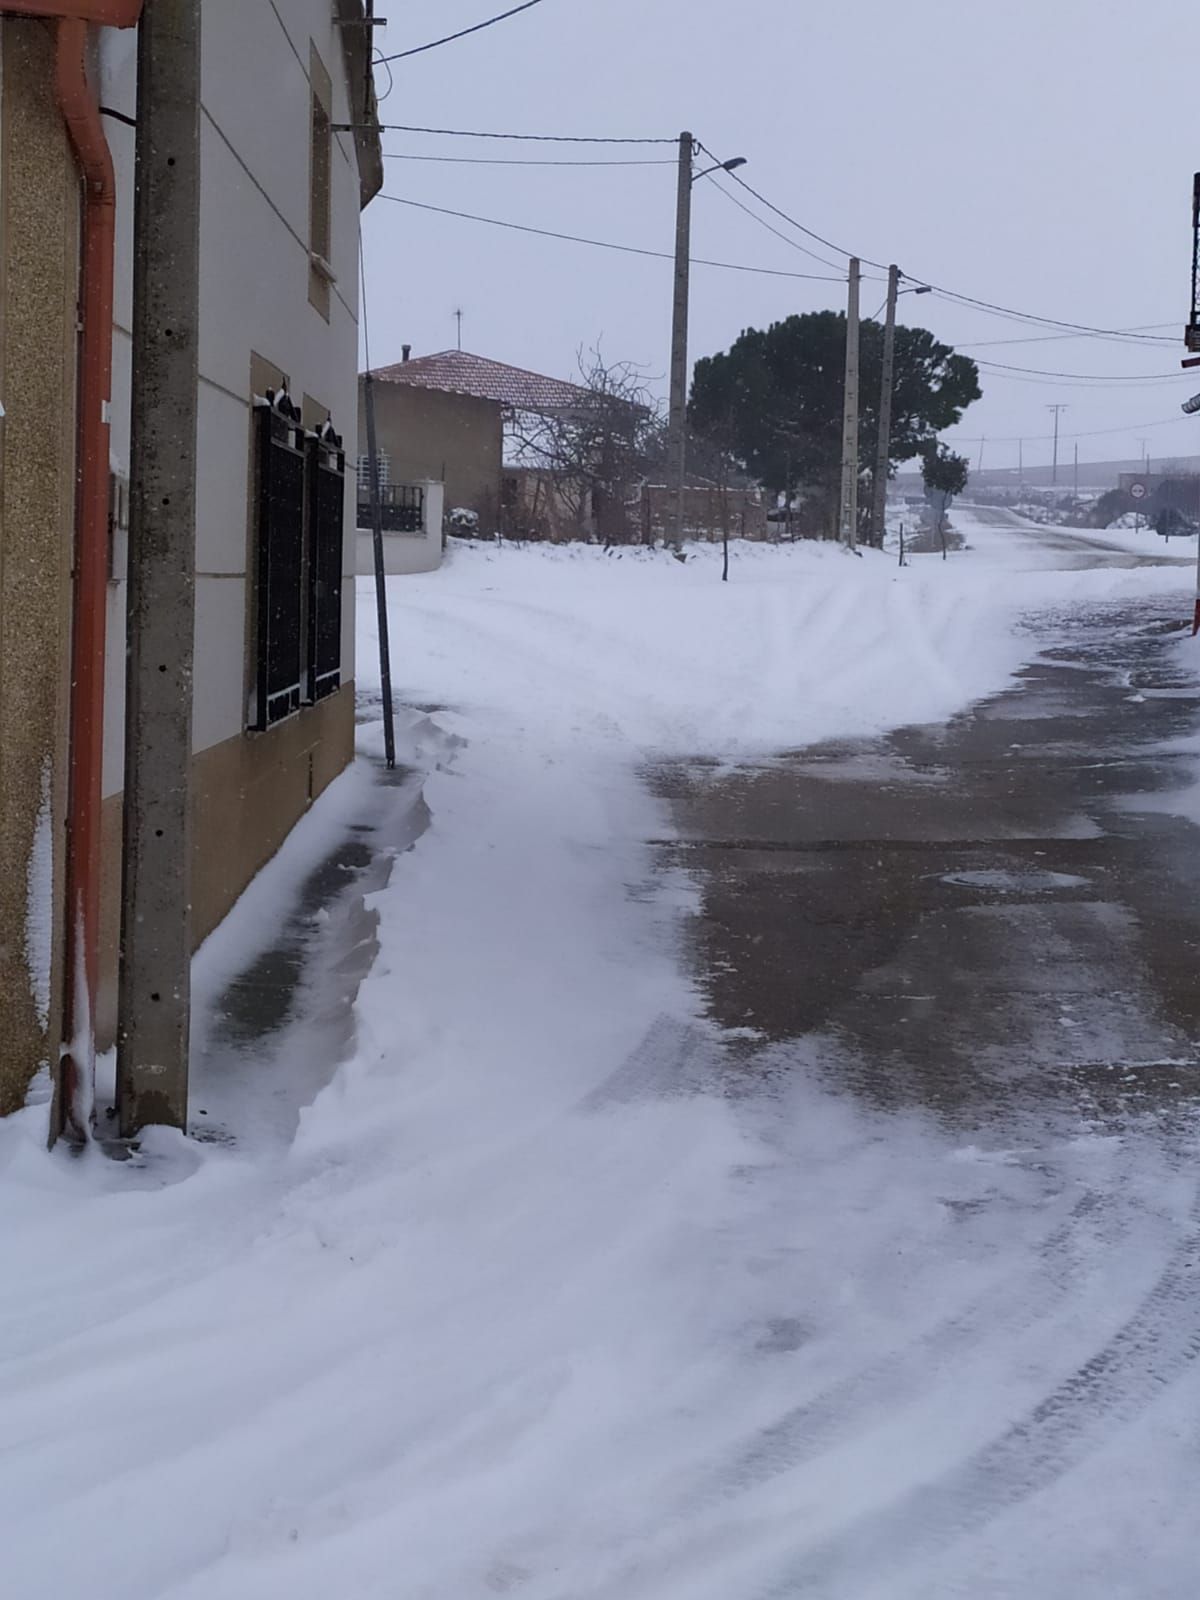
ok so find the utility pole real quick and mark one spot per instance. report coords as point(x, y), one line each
point(677, 421)
point(979, 468)
point(1021, 462)
point(1077, 471)
point(1145, 444)
point(156, 943)
point(886, 383)
point(849, 505)
point(1054, 470)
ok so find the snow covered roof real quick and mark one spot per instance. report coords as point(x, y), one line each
point(459, 372)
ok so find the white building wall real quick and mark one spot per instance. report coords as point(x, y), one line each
point(254, 288)
point(405, 554)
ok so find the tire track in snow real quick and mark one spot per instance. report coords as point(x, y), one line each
point(837, 1412)
point(1125, 1377)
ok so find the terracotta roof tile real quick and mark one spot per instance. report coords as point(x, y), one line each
point(459, 372)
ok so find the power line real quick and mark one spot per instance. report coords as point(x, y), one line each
point(466, 133)
point(1105, 378)
point(1090, 433)
point(463, 33)
point(604, 244)
point(530, 161)
point(954, 297)
point(1049, 338)
point(948, 294)
point(792, 222)
point(762, 222)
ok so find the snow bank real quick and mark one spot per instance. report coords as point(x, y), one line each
point(804, 643)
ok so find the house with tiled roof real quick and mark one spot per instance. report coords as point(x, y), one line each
point(441, 418)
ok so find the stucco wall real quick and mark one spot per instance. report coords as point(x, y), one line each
point(39, 213)
point(256, 325)
point(452, 438)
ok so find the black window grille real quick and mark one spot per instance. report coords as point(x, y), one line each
point(401, 505)
point(281, 495)
point(327, 500)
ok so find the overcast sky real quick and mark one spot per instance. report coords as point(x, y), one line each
point(1037, 154)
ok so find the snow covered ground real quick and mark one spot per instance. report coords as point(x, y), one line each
point(529, 1306)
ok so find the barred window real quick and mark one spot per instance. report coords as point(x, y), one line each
point(301, 494)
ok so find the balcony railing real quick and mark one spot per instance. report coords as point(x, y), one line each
point(402, 504)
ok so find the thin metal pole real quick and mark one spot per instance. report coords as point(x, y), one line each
point(849, 511)
point(381, 610)
point(886, 384)
point(677, 420)
point(154, 992)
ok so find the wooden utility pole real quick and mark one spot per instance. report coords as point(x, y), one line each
point(677, 420)
point(849, 507)
point(1057, 410)
point(886, 383)
point(156, 924)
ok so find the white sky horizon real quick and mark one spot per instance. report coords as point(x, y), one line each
point(1036, 156)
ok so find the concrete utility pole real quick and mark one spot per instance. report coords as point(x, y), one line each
point(677, 422)
point(886, 384)
point(1054, 469)
point(1077, 471)
point(156, 943)
point(849, 508)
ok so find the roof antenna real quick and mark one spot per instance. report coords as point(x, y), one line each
point(458, 316)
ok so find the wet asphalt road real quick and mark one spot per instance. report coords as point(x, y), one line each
point(972, 918)
point(956, 973)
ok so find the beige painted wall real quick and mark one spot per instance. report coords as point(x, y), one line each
point(39, 216)
point(450, 437)
point(248, 793)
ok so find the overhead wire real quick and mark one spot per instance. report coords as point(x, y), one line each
point(603, 244)
point(1089, 433)
point(1105, 378)
point(952, 295)
point(527, 138)
point(770, 227)
point(379, 60)
point(528, 161)
point(463, 33)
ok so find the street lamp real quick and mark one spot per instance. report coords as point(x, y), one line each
point(720, 166)
point(677, 419)
point(919, 288)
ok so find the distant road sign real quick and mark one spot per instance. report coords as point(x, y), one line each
point(1137, 491)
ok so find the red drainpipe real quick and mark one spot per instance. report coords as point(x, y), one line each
point(86, 133)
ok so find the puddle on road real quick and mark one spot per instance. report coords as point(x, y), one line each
point(1028, 882)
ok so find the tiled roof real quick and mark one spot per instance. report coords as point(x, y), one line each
point(459, 372)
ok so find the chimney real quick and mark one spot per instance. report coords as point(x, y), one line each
point(406, 352)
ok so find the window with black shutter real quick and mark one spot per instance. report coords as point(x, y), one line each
point(281, 652)
point(327, 500)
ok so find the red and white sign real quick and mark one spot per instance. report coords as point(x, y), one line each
point(1137, 491)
